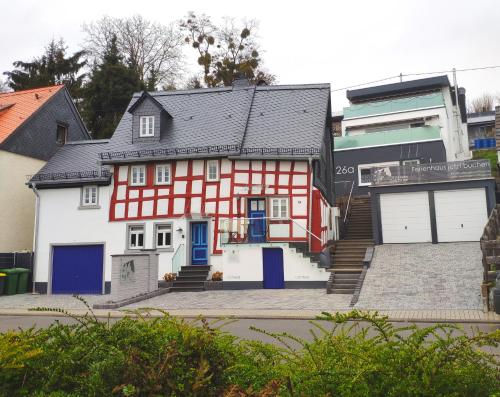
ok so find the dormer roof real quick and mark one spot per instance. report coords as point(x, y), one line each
point(146, 95)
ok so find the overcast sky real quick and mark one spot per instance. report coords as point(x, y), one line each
point(338, 42)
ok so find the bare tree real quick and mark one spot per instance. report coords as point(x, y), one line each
point(152, 49)
point(484, 103)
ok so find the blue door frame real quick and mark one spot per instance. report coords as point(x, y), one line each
point(77, 269)
point(199, 243)
point(273, 272)
point(257, 227)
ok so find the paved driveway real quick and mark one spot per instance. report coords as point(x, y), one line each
point(423, 276)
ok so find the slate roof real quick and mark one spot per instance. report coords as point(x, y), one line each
point(16, 107)
point(228, 121)
point(369, 93)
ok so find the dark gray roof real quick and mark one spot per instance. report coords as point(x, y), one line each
point(368, 93)
point(77, 160)
point(287, 120)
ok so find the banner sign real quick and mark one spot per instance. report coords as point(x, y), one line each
point(431, 172)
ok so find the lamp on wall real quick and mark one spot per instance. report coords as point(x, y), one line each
point(180, 230)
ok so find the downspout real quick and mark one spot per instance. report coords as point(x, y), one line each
point(309, 216)
point(35, 233)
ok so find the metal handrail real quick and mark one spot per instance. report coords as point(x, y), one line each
point(175, 269)
point(348, 202)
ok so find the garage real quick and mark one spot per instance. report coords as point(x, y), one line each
point(405, 217)
point(460, 214)
point(77, 269)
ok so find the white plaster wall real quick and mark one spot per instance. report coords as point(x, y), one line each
point(245, 263)
point(61, 222)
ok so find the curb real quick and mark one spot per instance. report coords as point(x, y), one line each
point(245, 314)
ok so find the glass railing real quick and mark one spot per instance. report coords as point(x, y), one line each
point(178, 260)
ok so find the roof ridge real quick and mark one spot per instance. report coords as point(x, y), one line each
point(242, 142)
point(13, 93)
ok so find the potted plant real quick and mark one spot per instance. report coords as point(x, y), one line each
point(2, 282)
point(215, 283)
point(168, 280)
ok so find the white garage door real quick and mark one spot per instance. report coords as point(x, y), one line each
point(405, 217)
point(460, 214)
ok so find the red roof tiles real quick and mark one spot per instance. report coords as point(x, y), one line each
point(17, 107)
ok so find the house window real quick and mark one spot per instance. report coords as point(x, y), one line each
point(163, 174)
point(411, 162)
point(138, 175)
point(61, 134)
point(279, 208)
point(163, 236)
point(89, 196)
point(147, 124)
point(212, 170)
point(135, 237)
point(365, 171)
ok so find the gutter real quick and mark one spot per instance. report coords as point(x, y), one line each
point(309, 220)
point(35, 232)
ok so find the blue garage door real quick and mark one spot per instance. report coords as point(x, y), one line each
point(77, 269)
point(273, 268)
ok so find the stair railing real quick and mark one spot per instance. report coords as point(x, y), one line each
point(348, 202)
point(178, 259)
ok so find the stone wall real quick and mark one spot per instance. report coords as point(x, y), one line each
point(133, 274)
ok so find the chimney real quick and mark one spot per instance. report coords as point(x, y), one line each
point(240, 81)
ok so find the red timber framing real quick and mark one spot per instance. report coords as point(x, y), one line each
point(189, 193)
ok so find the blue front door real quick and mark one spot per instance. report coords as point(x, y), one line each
point(199, 243)
point(274, 276)
point(257, 224)
point(77, 269)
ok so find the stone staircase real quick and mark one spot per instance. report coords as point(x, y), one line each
point(348, 253)
point(191, 279)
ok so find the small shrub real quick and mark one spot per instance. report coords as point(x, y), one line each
point(350, 355)
point(169, 276)
point(217, 276)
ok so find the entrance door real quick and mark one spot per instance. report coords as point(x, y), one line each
point(274, 276)
point(77, 269)
point(199, 243)
point(257, 225)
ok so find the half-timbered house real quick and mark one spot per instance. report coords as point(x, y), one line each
point(236, 179)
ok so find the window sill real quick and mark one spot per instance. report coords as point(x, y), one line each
point(89, 207)
point(165, 249)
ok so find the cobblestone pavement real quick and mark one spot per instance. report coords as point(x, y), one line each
point(423, 276)
point(285, 299)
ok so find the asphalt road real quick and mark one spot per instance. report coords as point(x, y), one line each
point(239, 328)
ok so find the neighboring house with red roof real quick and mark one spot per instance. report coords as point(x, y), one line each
point(34, 124)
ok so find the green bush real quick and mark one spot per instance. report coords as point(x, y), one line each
point(356, 354)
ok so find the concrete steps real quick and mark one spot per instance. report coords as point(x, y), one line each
point(191, 279)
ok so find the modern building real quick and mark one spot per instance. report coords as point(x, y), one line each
point(236, 179)
point(34, 124)
point(480, 125)
point(412, 122)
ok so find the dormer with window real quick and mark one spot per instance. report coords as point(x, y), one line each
point(149, 119)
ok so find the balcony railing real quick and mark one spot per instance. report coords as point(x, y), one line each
point(250, 230)
point(431, 172)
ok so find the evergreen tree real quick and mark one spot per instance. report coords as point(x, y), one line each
point(108, 92)
point(53, 67)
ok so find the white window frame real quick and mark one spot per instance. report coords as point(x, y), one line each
point(89, 196)
point(410, 162)
point(130, 232)
point(146, 126)
point(373, 165)
point(158, 227)
point(283, 202)
point(163, 180)
point(209, 164)
point(137, 182)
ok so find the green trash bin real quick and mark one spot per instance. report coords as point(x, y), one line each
point(10, 287)
point(22, 282)
point(3, 276)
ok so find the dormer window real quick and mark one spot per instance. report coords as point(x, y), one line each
point(147, 124)
point(61, 134)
